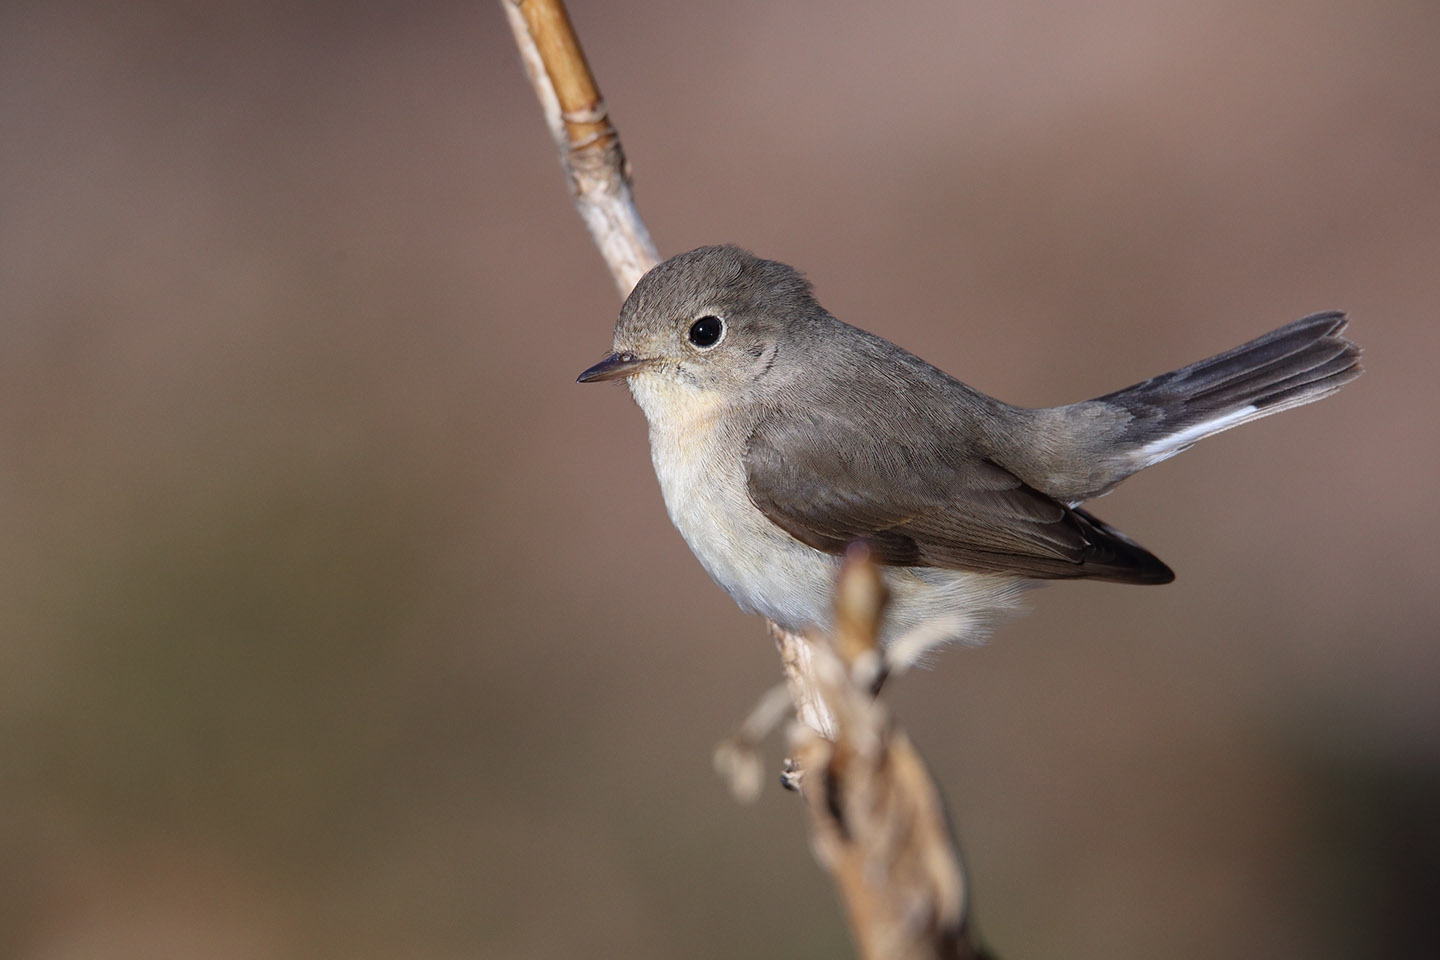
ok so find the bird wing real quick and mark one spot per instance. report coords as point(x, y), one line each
point(926, 500)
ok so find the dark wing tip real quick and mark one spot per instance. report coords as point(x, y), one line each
point(1153, 573)
point(1114, 556)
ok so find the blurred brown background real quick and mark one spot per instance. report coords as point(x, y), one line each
point(337, 621)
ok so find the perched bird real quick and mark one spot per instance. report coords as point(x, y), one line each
point(781, 435)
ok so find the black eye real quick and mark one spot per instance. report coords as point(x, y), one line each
point(706, 331)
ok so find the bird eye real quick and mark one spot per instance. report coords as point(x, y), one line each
point(706, 331)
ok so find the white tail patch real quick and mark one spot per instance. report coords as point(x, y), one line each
point(1166, 447)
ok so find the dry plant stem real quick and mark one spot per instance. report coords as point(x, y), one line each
point(877, 826)
point(876, 820)
point(595, 166)
point(877, 823)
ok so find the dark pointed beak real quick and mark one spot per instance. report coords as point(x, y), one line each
point(613, 367)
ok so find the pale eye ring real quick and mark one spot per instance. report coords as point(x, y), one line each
point(706, 331)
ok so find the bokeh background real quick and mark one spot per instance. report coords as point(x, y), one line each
point(337, 621)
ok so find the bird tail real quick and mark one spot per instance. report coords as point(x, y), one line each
point(1294, 365)
point(1087, 448)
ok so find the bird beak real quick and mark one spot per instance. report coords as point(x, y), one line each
point(614, 367)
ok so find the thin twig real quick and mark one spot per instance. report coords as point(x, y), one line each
point(589, 147)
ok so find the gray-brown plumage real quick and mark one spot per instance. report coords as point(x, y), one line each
point(781, 435)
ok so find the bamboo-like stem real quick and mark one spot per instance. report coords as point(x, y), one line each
point(877, 824)
point(589, 147)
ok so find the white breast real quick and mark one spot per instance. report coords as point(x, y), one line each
point(702, 477)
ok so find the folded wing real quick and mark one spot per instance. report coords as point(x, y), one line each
point(927, 501)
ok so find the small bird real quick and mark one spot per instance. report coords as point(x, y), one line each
point(781, 435)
